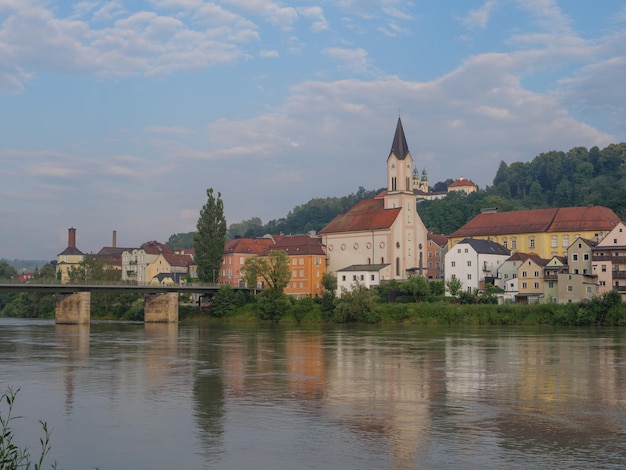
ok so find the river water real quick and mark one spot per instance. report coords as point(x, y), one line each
point(186, 396)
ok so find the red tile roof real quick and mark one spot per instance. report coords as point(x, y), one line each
point(298, 245)
point(461, 183)
point(178, 260)
point(369, 214)
point(564, 219)
point(440, 240)
point(253, 246)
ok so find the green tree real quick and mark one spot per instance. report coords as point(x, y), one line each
point(415, 286)
point(357, 305)
point(272, 305)
point(6, 270)
point(454, 286)
point(273, 269)
point(210, 238)
point(327, 301)
point(179, 241)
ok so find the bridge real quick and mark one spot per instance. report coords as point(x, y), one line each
point(73, 301)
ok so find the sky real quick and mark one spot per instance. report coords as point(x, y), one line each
point(119, 115)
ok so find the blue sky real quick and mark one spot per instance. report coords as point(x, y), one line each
point(118, 115)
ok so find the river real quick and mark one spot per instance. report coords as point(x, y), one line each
point(231, 396)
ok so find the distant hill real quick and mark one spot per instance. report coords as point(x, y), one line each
point(27, 265)
point(577, 177)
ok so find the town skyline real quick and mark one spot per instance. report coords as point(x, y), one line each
point(119, 117)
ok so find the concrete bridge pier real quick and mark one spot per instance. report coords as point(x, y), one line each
point(73, 308)
point(161, 308)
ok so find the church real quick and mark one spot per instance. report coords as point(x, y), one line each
point(382, 238)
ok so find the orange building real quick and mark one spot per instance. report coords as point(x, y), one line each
point(236, 252)
point(307, 262)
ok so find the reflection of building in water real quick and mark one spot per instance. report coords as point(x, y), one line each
point(305, 365)
point(74, 341)
point(161, 348)
point(383, 395)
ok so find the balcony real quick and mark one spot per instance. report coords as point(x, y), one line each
point(614, 259)
point(618, 274)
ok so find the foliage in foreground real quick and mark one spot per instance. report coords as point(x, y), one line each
point(12, 456)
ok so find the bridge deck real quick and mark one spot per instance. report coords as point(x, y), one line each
point(54, 288)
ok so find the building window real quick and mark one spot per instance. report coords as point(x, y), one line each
point(318, 261)
point(354, 277)
point(555, 241)
point(343, 278)
point(302, 273)
point(524, 274)
point(513, 243)
point(574, 257)
point(397, 266)
point(430, 254)
point(524, 285)
point(301, 261)
point(430, 265)
point(505, 242)
point(536, 285)
point(372, 278)
point(294, 273)
point(531, 242)
point(586, 257)
point(565, 241)
point(362, 277)
point(570, 289)
point(469, 264)
point(551, 284)
point(588, 289)
point(453, 264)
point(294, 262)
point(458, 250)
point(466, 250)
point(469, 277)
point(604, 268)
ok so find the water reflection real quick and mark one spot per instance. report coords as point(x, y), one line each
point(240, 396)
point(72, 341)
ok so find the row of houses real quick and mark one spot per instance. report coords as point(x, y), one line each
point(544, 255)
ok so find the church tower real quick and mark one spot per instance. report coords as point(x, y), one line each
point(410, 237)
point(399, 164)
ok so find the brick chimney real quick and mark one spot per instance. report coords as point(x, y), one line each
point(114, 239)
point(71, 238)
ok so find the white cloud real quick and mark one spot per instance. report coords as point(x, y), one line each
point(478, 18)
point(355, 60)
point(270, 11)
point(316, 14)
point(268, 53)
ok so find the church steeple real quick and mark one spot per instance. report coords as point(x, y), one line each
point(399, 147)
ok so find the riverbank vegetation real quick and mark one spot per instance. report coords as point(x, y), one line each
point(14, 456)
point(415, 302)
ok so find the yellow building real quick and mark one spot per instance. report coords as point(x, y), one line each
point(68, 258)
point(546, 232)
point(307, 263)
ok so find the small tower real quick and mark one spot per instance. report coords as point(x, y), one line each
point(424, 181)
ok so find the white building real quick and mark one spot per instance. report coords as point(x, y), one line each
point(368, 275)
point(472, 260)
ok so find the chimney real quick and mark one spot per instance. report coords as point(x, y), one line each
point(114, 239)
point(71, 238)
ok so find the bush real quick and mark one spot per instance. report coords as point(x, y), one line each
point(301, 307)
point(272, 305)
point(357, 305)
point(13, 457)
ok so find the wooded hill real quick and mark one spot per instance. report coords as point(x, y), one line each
point(552, 179)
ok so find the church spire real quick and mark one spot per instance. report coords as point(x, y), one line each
point(399, 147)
